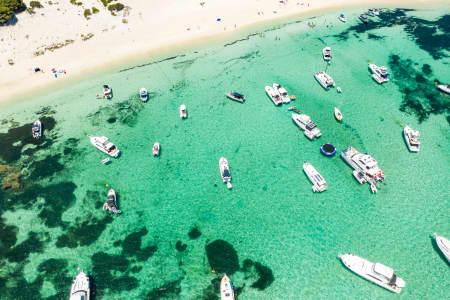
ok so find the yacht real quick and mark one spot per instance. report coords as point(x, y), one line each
point(183, 112)
point(443, 244)
point(282, 92)
point(324, 80)
point(337, 114)
point(111, 203)
point(412, 139)
point(319, 184)
point(226, 288)
point(103, 144)
point(444, 87)
point(342, 18)
point(380, 74)
point(326, 52)
point(225, 171)
point(309, 127)
point(273, 95)
point(36, 129)
point(374, 272)
point(364, 18)
point(143, 94)
point(156, 149)
point(235, 96)
point(107, 93)
point(363, 163)
point(80, 287)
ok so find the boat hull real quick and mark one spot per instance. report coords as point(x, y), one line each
point(232, 97)
point(226, 289)
point(444, 245)
point(312, 173)
point(411, 148)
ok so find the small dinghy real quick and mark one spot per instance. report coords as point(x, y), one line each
point(111, 204)
point(183, 112)
point(373, 188)
point(226, 288)
point(294, 109)
point(326, 52)
point(143, 94)
point(106, 161)
point(36, 129)
point(342, 18)
point(156, 148)
point(225, 171)
point(235, 96)
point(337, 114)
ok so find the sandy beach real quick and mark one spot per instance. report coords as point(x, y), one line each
point(59, 37)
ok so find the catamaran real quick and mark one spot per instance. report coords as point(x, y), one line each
point(80, 287)
point(111, 203)
point(143, 94)
point(319, 184)
point(326, 52)
point(412, 139)
point(273, 95)
point(226, 288)
point(380, 74)
point(309, 127)
point(443, 244)
point(103, 144)
point(36, 129)
point(282, 92)
point(225, 171)
point(324, 80)
point(374, 272)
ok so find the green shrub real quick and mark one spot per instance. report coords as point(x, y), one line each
point(35, 4)
point(87, 13)
point(116, 7)
point(6, 14)
point(13, 5)
point(95, 10)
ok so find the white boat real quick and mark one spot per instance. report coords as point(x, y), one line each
point(363, 163)
point(183, 112)
point(374, 272)
point(319, 184)
point(273, 95)
point(443, 244)
point(339, 89)
point(380, 74)
point(373, 12)
point(225, 171)
point(111, 203)
point(412, 139)
point(342, 18)
point(326, 52)
point(36, 129)
point(359, 176)
point(143, 94)
point(309, 127)
point(373, 188)
point(337, 114)
point(106, 161)
point(324, 80)
point(81, 289)
point(103, 144)
point(107, 93)
point(226, 288)
point(156, 149)
point(444, 87)
point(282, 92)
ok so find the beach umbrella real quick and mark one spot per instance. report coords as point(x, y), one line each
point(219, 19)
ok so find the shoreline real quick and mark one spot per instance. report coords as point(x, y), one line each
point(27, 81)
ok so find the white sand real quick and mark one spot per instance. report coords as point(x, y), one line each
point(150, 25)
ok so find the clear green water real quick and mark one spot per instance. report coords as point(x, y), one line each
point(271, 216)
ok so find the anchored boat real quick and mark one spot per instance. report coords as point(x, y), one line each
point(183, 112)
point(443, 244)
point(309, 127)
point(236, 97)
point(412, 139)
point(324, 80)
point(337, 114)
point(273, 95)
point(156, 149)
point(111, 203)
point(342, 18)
point(225, 171)
point(226, 288)
point(326, 52)
point(80, 287)
point(282, 92)
point(103, 144)
point(444, 87)
point(36, 129)
point(319, 184)
point(107, 93)
point(380, 74)
point(143, 94)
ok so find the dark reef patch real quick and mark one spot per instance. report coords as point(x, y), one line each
point(375, 37)
point(431, 36)
point(132, 246)
point(170, 290)
point(180, 246)
point(194, 233)
point(13, 141)
point(21, 252)
point(84, 233)
point(125, 112)
point(420, 95)
point(222, 257)
point(263, 274)
point(56, 271)
point(46, 167)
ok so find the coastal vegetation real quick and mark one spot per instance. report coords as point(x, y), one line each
point(87, 13)
point(8, 8)
point(36, 4)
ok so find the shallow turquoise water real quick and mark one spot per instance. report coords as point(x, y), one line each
point(271, 216)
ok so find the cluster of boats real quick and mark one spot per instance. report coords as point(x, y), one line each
point(372, 12)
point(278, 94)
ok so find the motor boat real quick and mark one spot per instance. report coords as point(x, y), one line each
point(273, 95)
point(36, 129)
point(363, 163)
point(364, 18)
point(375, 272)
point(183, 112)
point(339, 89)
point(106, 161)
point(373, 12)
point(326, 52)
point(380, 74)
point(225, 171)
point(235, 96)
point(143, 94)
point(324, 80)
point(373, 188)
point(226, 288)
point(156, 149)
point(337, 114)
point(309, 127)
point(81, 289)
point(412, 139)
point(103, 144)
point(328, 149)
point(111, 203)
point(342, 18)
point(443, 244)
point(319, 184)
point(444, 87)
point(107, 92)
point(282, 92)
